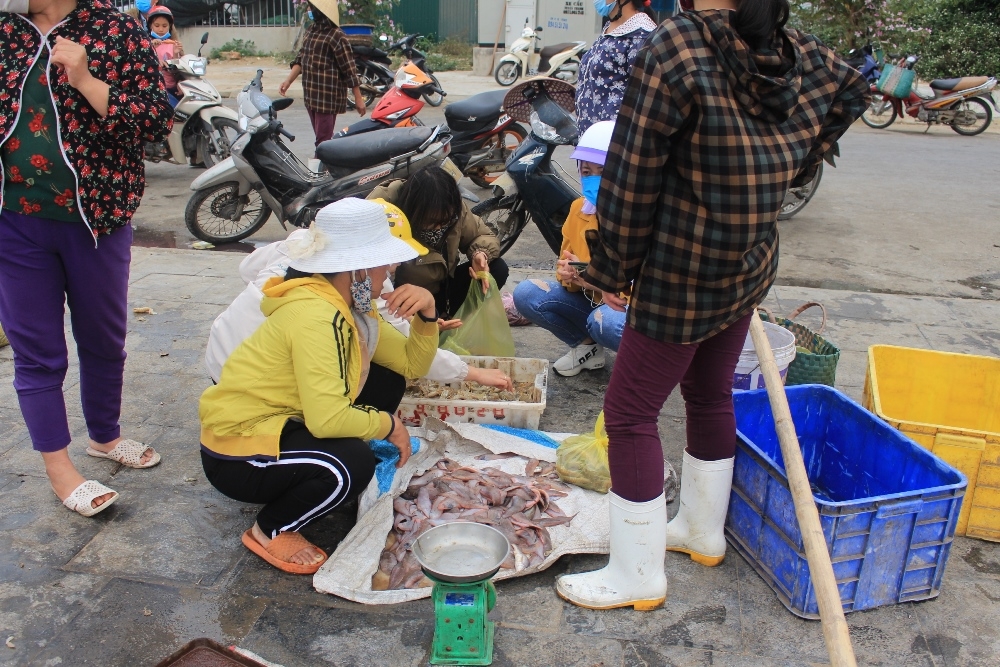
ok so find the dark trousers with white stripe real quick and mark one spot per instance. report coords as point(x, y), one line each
point(313, 475)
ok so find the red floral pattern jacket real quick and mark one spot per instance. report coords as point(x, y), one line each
point(105, 154)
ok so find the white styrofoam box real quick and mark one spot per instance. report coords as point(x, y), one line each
point(518, 414)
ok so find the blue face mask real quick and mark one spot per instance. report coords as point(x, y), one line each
point(603, 8)
point(155, 36)
point(310, 15)
point(143, 5)
point(591, 184)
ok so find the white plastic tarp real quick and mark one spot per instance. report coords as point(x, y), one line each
point(348, 572)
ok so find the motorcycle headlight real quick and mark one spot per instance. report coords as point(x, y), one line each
point(199, 67)
point(544, 131)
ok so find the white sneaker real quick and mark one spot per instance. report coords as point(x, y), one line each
point(634, 576)
point(589, 356)
point(699, 527)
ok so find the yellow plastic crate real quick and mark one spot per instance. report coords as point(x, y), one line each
point(950, 404)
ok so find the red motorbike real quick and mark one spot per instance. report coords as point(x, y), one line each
point(483, 136)
point(964, 104)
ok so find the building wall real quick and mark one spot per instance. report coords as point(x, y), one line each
point(441, 18)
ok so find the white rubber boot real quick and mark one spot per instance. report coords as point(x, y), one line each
point(589, 356)
point(699, 527)
point(634, 576)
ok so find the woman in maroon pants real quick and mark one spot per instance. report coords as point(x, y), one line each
point(725, 110)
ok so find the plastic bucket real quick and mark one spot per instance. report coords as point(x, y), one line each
point(747, 375)
point(358, 28)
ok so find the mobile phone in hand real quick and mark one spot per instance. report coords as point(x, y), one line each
point(581, 267)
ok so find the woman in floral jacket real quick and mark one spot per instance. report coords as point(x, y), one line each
point(80, 92)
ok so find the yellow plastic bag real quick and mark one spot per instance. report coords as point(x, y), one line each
point(583, 459)
point(484, 330)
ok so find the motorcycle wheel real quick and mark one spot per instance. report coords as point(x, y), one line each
point(507, 73)
point(434, 99)
point(225, 131)
point(369, 87)
point(507, 141)
point(984, 116)
point(210, 214)
point(797, 198)
point(506, 219)
point(880, 114)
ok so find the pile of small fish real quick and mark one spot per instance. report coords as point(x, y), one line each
point(470, 391)
point(522, 507)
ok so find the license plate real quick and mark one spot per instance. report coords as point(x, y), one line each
point(452, 169)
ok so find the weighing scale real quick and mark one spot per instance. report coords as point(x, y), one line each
point(460, 558)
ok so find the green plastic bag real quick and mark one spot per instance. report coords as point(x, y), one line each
point(484, 331)
point(583, 459)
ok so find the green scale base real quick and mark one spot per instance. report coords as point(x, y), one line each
point(462, 633)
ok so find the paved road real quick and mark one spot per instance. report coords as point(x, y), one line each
point(905, 212)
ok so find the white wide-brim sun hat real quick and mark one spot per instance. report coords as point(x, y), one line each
point(348, 235)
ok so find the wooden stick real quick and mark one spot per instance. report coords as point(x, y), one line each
point(496, 42)
point(831, 611)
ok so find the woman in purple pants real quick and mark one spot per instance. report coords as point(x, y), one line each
point(725, 110)
point(81, 92)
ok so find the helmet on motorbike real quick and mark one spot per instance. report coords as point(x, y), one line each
point(399, 226)
point(593, 145)
point(160, 10)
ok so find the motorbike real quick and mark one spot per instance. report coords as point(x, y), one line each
point(864, 61)
point(204, 129)
point(483, 136)
point(262, 176)
point(406, 46)
point(373, 65)
point(399, 106)
point(559, 61)
point(963, 103)
point(534, 186)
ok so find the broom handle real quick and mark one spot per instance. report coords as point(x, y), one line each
point(831, 611)
point(496, 43)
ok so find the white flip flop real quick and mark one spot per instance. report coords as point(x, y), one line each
point(80, 501)
point(128, 453)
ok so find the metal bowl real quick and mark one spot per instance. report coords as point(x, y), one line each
point(461, 551)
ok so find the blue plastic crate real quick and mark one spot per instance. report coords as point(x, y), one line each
point(888, 506)
point(357, 29)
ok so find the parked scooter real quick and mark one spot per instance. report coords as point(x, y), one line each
point(536, 186)
point(204, 129)
point(235, 198)
point(373, 65)
point(559, 61)
point(483, 136)
point(964, 104)
point(864, 61)
point(406, 47)
point(400, 105)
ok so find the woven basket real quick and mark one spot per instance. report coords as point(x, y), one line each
point(816, 358)
point(359, 40)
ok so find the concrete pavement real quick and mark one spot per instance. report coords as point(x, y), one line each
point(164, 565)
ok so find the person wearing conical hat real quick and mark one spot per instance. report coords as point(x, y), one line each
point(326, 63)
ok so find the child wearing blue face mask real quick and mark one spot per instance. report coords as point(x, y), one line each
point(570, 308)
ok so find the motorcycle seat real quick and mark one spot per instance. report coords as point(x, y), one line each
point(961, 83)
point(372, 148)
point(483, 107)
point(369, 52)
point(550, 51)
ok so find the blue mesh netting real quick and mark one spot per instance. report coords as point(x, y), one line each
point(388, 457)
point(536, 437)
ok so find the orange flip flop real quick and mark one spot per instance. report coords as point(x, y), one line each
point(280, 549)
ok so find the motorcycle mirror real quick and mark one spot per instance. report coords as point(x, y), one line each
point(538, 29)
point(282, 103)
point(204, 38)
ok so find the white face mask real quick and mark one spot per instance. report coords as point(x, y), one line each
point(14, 6)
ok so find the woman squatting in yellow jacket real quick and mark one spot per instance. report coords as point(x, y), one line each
point(287, 424)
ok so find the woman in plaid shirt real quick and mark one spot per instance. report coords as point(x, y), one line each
point(326, 63)
point(725, 110)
